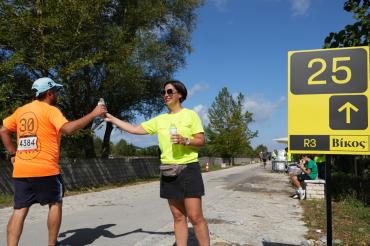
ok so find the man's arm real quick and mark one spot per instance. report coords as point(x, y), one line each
point(72, 126)
point(6, 136)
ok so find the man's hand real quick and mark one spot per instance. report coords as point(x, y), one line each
point(72, 126)
point(301, 164)
point(99, 110)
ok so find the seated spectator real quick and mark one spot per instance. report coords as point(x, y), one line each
point(309, 172)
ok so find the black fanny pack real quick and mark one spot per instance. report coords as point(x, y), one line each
point(171, 170)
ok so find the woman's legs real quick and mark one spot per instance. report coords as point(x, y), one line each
point(180, 222)
point(194, 211)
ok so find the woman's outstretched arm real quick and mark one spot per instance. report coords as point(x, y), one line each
point(125, 126)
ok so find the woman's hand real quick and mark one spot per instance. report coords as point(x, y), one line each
point(178, 139)
point(109, 118)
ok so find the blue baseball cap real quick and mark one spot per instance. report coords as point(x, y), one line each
point(44, 84)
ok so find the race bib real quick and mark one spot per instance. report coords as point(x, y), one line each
point(27, 143)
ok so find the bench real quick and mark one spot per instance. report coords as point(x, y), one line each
point(315, 189)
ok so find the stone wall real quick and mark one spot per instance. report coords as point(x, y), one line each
point(78, 173)
point(315, 189)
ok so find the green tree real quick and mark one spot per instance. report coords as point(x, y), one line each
point(97, 145)
point(122, 148)
point(119, 50)
point(149, 151)
point(228, 134)
point(357, 34)
point(260, 148)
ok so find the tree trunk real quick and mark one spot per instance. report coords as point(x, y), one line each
point(106, 141)
point(89, 146)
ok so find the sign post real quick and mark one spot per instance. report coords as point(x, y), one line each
point(328, 106)
point(329, 230)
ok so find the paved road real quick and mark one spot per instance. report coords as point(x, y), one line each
point(245, 205)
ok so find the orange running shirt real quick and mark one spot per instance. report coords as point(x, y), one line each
point(37, 125)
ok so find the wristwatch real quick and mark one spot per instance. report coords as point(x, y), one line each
point(9, 154)
point(187, 141)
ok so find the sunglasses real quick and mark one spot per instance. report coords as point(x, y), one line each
point(169, 92)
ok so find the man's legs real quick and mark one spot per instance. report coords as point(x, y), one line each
point(295, 181)
point(15, 226)
point(54, 221)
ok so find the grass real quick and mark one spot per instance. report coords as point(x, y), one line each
point(6, 200)
point(350, 220)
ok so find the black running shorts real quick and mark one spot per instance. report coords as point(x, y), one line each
point(303, 176)
point(43, 190)
point(188, 183)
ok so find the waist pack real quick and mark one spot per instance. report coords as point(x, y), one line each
point(171, 170)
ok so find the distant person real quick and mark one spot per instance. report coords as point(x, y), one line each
point(180, 134)
point(36, 174)
point(320, 161)
point(265, 157)
point(273, 155)
point(288, 155)
point(309, 172)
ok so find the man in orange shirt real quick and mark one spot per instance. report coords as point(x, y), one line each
point(36, 175)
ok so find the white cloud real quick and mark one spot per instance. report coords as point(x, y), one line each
point(220, 4)
point(261, 108)
point(203, 113)
point(300, 7)
point(196, 88)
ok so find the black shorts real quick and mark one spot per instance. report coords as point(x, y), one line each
point(43, 190)
point(188, 183)
point(303, 176)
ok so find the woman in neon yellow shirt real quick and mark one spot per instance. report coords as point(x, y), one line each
point(180, 133)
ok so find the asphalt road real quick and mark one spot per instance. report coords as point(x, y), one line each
point(246, 205)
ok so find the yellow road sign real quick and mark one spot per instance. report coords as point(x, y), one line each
point(328, 101)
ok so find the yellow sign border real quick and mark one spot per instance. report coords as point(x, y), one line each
point(363, 133)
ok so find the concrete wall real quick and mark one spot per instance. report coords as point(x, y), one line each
point(78, 173)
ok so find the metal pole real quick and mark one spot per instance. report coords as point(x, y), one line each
point(329, 236)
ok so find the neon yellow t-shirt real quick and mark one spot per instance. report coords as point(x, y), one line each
point(187, 123)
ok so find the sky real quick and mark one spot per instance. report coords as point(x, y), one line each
point(243, 45)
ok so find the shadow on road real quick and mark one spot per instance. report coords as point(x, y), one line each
point(192, 240)
point(86, 236)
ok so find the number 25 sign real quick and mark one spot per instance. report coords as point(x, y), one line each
point(328, 92)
